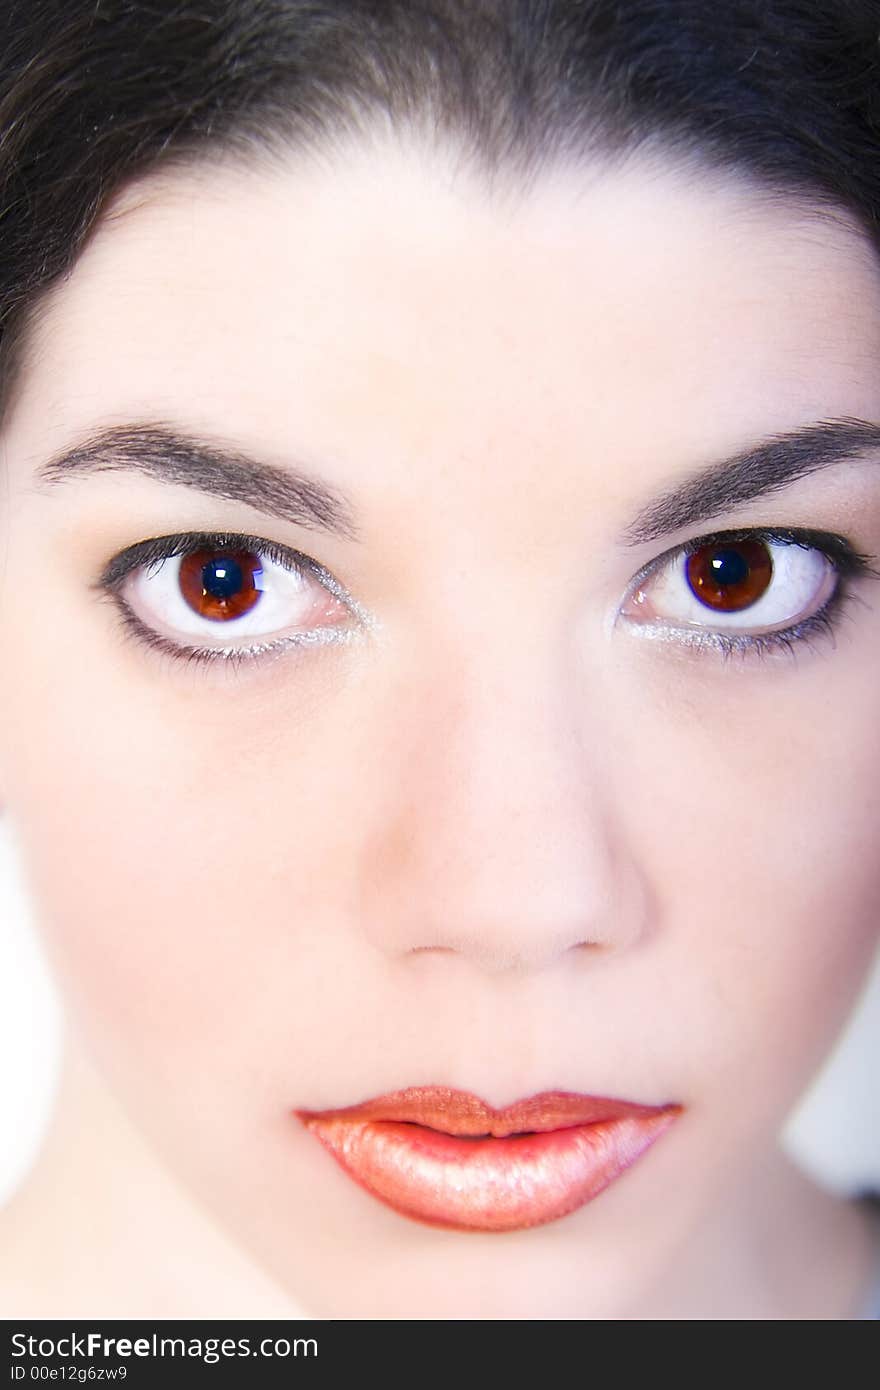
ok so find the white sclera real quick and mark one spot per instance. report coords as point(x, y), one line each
point(155, 595)
point(801, 582)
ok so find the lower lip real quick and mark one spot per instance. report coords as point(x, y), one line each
point(487, 1184)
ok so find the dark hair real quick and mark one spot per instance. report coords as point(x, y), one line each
point(94, 93)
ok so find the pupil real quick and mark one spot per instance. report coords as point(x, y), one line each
point(729, 567)
point(221, 577)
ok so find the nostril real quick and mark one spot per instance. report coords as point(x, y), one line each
point(497, 957)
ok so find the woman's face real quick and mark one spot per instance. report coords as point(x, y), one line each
point(502, 821)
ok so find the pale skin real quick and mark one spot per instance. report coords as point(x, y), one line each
point(495, 840)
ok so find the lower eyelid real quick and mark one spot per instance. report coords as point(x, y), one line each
point(845, 564)
point(123, 577)
point(753, 620)
point(822, 625)
point(222, 660)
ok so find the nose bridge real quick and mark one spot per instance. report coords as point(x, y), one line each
point(498, 841)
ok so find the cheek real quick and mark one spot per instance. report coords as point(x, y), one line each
point(761, 846)
point(182, 869)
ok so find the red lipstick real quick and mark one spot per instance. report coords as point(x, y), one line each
point(446, 1158)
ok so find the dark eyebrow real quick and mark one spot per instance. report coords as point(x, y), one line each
point(754, 472)
point(173, 456)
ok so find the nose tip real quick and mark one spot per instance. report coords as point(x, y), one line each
point(496, 837)
point(530, 901)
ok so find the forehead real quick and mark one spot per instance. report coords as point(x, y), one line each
point(388, 300)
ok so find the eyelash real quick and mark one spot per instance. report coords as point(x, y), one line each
point(109, 585)
point(849, 564)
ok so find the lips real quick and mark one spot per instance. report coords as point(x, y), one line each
point(446, 1158)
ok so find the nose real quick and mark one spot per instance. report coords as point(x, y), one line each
point(499, 839)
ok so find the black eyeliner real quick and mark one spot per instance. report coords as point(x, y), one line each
point(158, 548)
point(846, 559)
point(849, 564)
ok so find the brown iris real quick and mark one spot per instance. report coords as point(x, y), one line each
point(730, 575)
point(221, 583)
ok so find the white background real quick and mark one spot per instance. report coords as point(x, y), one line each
point(835, 1132)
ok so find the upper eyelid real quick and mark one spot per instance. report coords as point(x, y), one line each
point(179, 543)
point(176, 543)
point(849, 563)
point(838, 549)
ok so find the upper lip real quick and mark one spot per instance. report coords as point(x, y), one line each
point(461, 1113)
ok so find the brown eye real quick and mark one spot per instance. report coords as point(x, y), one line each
point(730, 576)
point(737, 584)
point(227, 587)
point(221, 584)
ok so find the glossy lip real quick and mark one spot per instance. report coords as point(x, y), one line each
point(446, 1158)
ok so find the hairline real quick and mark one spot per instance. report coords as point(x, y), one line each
point(279, 147)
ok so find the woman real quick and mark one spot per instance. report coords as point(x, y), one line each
point(441, 519)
